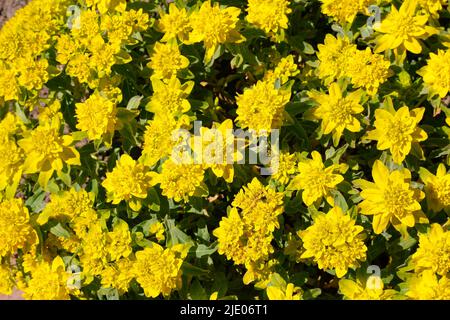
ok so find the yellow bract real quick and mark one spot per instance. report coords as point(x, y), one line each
point(334, 242)
point(269, 15)
point(402, 29)
point(436, 74)
point(129, 181)
point(437, 188)
point(158, 270)
point(391, 199)
point(261, 107)
point(315, 180)
point(337, 111)
point(345, 10)
point(398, 131)
point(355, 290)
point(214, 26)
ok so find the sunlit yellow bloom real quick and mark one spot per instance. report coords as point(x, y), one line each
point(432, 6)
point(287, 166)
point(427, 286)
point(397, 131)
point(47, 151)
point(345, 10)
point(97, 117)
point(269, 15)
point(259, 272)
point(290, 292)
point(337, 111)
point(6, 280)
point(334, 242)
point(159, 139)
point(48, 280)
point(403, 29)
point(248, 238)
point(158, 230)
point(170, 99)
point(391, 199)
point(16, 231)
point(104, 6)
point(118, 275)
point(174, 24)
point(261, 107)
point(129, 181)
point(119, 241)
point(316, 180)
point(436, 74)
point(373, 289)
point(214, 148)
point(167, 60)
point(284, 70)
point(434, 251)
point(214, 25)
point(437, 188)
point(179, 181)
point(158, 270)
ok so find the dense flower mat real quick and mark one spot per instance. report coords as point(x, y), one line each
point(94, 206)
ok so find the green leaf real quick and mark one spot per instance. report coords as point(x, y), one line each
point(203, 250)
point(134, 102)
point(60, 231)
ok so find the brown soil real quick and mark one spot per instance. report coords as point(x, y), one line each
point(8, 7)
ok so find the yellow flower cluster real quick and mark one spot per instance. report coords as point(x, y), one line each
point(110, 188)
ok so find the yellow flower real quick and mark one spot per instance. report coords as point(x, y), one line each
point(179, 181)
point(158, 270)
point(157, 229)
point(48, 281)
point(33, 74)
point(97, 117)
point(289, 292)
point(167, 60)
point(73, 206)
point(397, 131)
point(6, 280)
point(269, 15)
point(174, 24)
point(436, 74)
point(334, 56)
point(129, 181)
point(373, 289)
point(214, 26)
point(261, 107)
point(118, 275)
point(402, 29)
point(437, 188)
point(259, 271)
point(285, 69)
point(337, 111)
point(230, 234)
point(391, 199)
point(94, 251)
point(78, 67)
point(287, 166)
point(334, 242)
point(432, 6)
point(16, 231)
point(107, 5)
point(170, 99)
point(11, 160)
point(118, 241)
point(260, 206)
point(340, 58)
point(47, 151)
point(345, 10)
point(9, 88)
point(367, 70)
point(159, 140)
point(316, 180)
point(248, 239)
point(427, 286)
point(434, 251)
point(217, 145)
